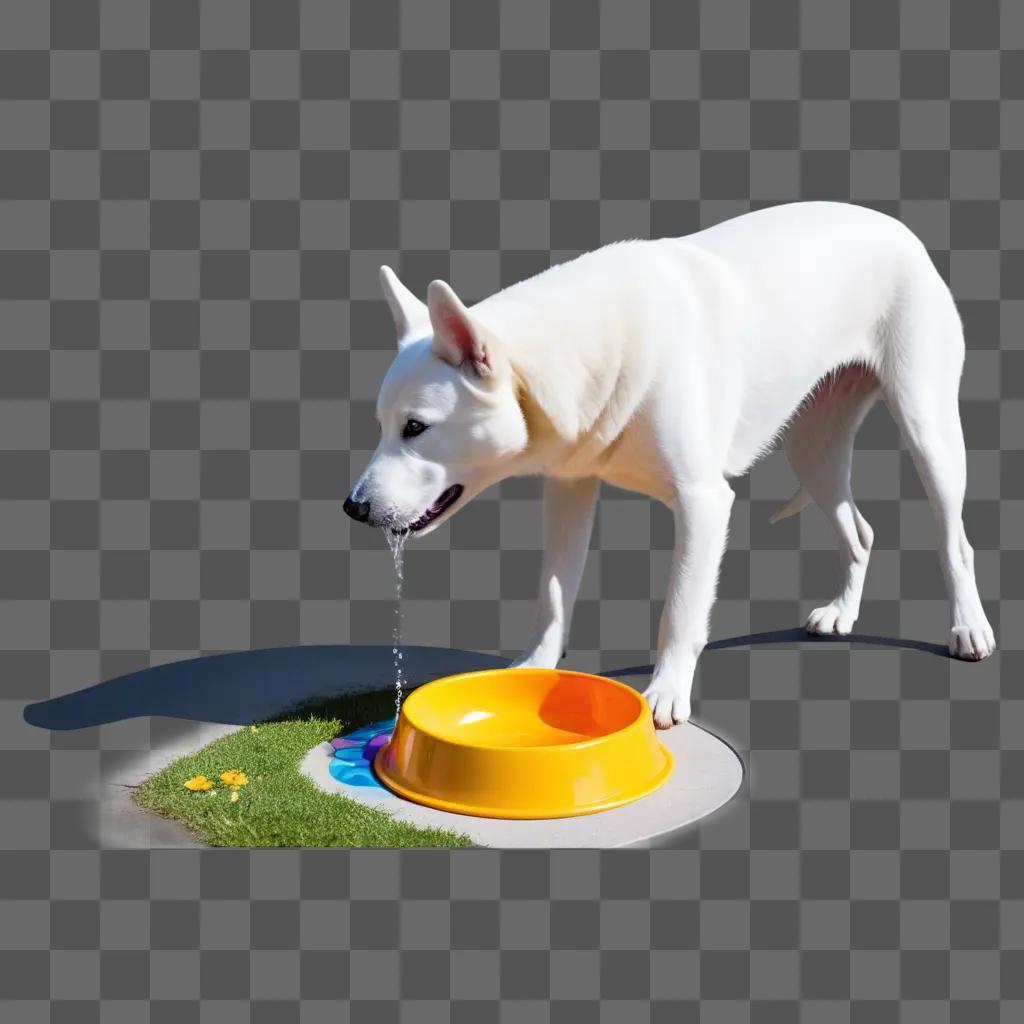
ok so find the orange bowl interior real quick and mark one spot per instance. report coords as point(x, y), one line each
point(528, 711)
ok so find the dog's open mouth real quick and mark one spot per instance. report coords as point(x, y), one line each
point(443, 503)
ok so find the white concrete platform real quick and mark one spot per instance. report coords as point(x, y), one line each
point(707, 773)
point(122, 823)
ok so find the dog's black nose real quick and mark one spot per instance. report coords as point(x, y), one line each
point(358, 510)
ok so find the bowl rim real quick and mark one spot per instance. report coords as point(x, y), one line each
point(440, 737)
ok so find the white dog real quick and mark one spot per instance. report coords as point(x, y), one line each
point(667, 367)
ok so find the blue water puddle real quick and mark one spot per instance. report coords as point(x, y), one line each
point(352, 762)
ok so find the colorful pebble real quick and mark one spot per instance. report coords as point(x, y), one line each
point(354, 752)
point(340, 742)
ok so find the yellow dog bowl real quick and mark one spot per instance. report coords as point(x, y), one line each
point(524, 743)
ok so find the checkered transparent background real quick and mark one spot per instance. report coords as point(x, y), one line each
point(194, 200)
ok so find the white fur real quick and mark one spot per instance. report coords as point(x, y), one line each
point(667, 367)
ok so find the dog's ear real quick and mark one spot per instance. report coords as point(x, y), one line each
point(411, 317)
point(457, 339)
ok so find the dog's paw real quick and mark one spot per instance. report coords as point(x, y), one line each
point(669, 705)
point(972, 643)
point(831, 619)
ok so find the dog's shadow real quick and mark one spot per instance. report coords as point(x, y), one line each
point(244, 687)
point(255, 686)
point(800, 635)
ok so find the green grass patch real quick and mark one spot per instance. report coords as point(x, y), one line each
point(280, 806)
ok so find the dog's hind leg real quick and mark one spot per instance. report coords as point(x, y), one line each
point(819, 446)
point(920, 389)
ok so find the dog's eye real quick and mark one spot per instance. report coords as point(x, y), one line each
point(413, 428)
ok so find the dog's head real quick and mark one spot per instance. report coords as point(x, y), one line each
point(449, 415)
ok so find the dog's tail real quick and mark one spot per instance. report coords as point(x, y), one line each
point(796, 504)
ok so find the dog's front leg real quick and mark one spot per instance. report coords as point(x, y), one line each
point(702, 526)
point(568, 519)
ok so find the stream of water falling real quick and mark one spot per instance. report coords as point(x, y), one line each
point(396, 541)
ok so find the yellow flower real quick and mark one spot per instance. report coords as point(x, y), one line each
point(199, 783)
point(234, 779)
point(252, 728)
